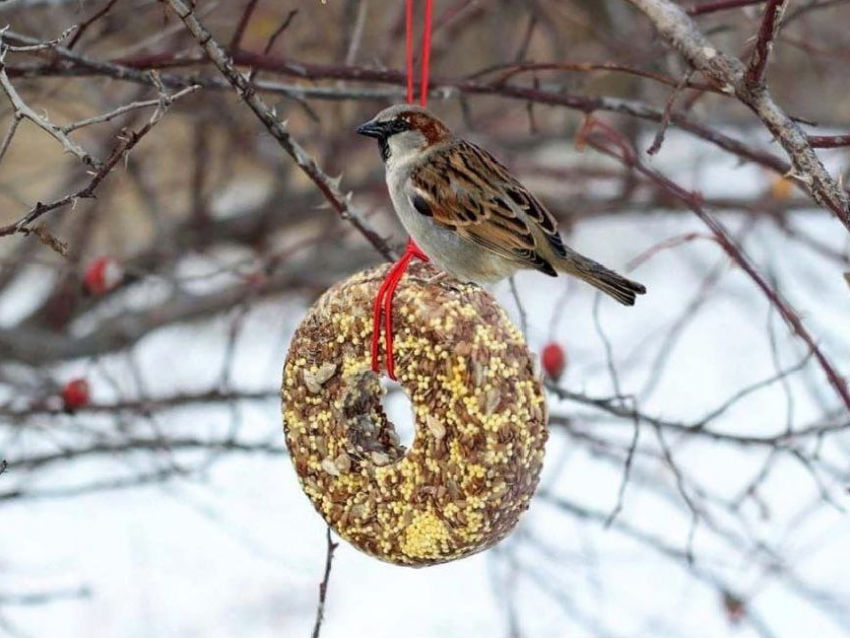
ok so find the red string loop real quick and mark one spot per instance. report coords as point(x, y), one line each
point(426, 53)
point(408, 34)
point(384, 299)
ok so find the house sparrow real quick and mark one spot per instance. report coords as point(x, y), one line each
point(464, 209)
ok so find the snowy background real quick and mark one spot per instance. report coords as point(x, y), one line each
point(235, 547)
point(697, 476)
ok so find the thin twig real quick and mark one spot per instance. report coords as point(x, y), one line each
point(668, 110)
point(721, 5)
point(323, 586)
point(126, 108)
point(754, 77)
point(36, 599)
point(36, 45)
point(236, 40)
point(523, 316)
point(10, 133)
point(85, 24)
point(272, 39)
point(829, 141)
point(627, 470)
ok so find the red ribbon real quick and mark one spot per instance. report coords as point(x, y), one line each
point(384, 299)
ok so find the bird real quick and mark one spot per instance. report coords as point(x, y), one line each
point(465, 210)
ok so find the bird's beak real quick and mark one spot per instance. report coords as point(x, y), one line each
point(372, 129)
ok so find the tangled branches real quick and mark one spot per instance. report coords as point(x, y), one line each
point(207, 149)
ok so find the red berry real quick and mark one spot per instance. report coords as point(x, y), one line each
point(76, 394)
point(736, 609)
point(554, 360)
point(102, 275)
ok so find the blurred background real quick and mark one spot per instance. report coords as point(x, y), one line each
point(158, 247)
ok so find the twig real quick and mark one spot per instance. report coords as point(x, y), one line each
point(272, 39)
point(44, 597)
point(357, 34)
point(323, 586)
point(130, 444)
point(85, 24)
point(668, 110)
point(36, 45)
point(829, 141)
point(812, 5)
point(329, 187)
point(45, 237)
point(236, 40)
point(509, 71)
point(627, 470)
point(279, 31)
point(140, 406)
point(10, 133)
point(721, 5)
point(523, 316)
point(686, 497)
point(770, 24)
point(142, 104)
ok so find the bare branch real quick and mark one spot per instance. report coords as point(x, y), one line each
point(126, 108)
point(85, 24)
point(328, 186)
point(720, 5)
point(236, 40)
point(127, 141)
point(323, 586)
point(668, 110)
point(770, 24)
point(22, 110)
point(730, 75)
point(616, 146)
point(36, 46)
point(829, 141)
point(10, 133)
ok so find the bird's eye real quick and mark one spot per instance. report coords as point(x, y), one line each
point(400, 124)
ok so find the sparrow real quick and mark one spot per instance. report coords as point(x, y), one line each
point(466, 211)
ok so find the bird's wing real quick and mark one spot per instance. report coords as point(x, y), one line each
point(467, 190)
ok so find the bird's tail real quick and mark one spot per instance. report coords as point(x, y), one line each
point(622, 289)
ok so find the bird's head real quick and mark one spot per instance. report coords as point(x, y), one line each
point(404, 130)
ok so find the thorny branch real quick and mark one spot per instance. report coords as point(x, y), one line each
point(127, 141)
point(730, 75)
point(328, 186)
point(22, 110)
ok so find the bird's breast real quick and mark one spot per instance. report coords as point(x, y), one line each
point(459, 257)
